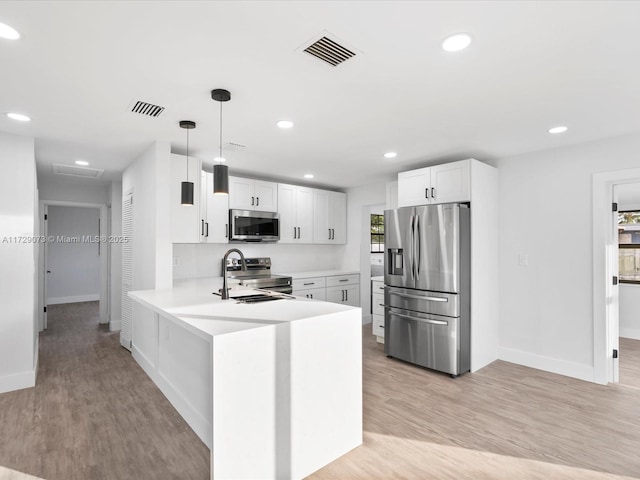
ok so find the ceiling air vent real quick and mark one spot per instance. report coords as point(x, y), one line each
point(329, 51)
point(145, 108)
point(77, 171)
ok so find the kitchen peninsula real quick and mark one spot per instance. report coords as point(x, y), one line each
point(274, 389)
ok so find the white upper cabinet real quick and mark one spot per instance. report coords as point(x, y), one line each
point(249, 194)
point(446, 183)
point(185, 220)
point(330, 217)
point(217, 213)
point(295, 206)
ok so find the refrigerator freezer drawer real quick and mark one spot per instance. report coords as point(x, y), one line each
point(431, 341)
point(422, 301)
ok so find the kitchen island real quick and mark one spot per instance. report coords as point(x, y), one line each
point(274, 389)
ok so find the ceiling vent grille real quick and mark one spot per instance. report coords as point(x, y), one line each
point(145, 108)
point(329, 51)
point(77, 171)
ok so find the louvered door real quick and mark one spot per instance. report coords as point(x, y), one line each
point(127, 270)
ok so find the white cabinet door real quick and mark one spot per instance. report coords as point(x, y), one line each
point(377, 325)
point(287, 213)
point(450, 182)
point(347, 295)
point(414, 187)
point(241, 195)
point(217, 214)
point(266, 194)
point(304, 214)
point(313, 293)
point(321, 229)
point(185, 220)
point(338, 217)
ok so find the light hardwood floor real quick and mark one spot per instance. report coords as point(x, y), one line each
point(95, 415)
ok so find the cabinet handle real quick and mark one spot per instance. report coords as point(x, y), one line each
point(257, 201)
point(226, 230)
point(253, 199)
point(381, 288)
point(295, 235)
point(426, 193)
point(311, 295)
point(433, 192)
point(310, 283)
point(329, 234)
point(207, 234)
point(202, 228)
point(343, 280)
point(346, 295)
point(342, 292)
point(298, 233)
point(333, 234)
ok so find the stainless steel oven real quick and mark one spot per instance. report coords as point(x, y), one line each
point(250, 226)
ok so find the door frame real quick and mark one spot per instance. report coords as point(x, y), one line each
point(104, 260)
point(605, 298)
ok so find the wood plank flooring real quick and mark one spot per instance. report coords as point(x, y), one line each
point(95, 415)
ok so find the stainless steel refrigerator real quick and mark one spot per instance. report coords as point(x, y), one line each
point(427, 286)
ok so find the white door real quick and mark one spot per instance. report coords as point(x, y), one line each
point(338, 217)
point(414, 187)
point(266, 196)
point(287, 211)
point(127, 271)
point(321, 229)
point(450, 182)
point(614, 298)
point(304, 214)
point(217, 213)
point(241, 194)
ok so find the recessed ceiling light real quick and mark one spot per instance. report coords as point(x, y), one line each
point(390, 155)
point(220, 159)
point(285, 124)
point(560, 129)
point(456, 42)
point(308, 175)
point(18, 116)
point(8, 32)
point(82, 162)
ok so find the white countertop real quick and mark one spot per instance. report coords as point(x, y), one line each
point(320, 273)
point(193, 304)
point(378, 279)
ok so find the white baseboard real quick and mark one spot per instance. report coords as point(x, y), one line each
point(633, 333)
point(18, 381)
point(75, 299)
point(547, 364)
point(366, 319)
point(115, 325)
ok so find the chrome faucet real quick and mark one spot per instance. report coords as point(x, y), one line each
point(224, 292)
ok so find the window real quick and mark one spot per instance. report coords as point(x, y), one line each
point(629, 246)
point(377, 233)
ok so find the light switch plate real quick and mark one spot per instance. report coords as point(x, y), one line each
point(523, 259)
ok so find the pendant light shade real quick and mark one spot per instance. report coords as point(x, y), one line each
point(220, 171)
point(187, 187)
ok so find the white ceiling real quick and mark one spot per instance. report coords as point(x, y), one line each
point(532, 65)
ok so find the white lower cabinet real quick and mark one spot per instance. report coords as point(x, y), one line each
point(343, 289)
point(377, 310)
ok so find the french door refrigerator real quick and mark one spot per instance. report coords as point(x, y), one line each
point(427, 286)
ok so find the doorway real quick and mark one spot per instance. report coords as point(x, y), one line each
point(606, 289)
point(74, 257)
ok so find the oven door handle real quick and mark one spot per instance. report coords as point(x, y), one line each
point(417, 319)
point(418, 297)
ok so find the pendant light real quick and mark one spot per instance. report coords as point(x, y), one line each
point(220, 171)
point(187, 187)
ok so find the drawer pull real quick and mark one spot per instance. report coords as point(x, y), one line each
point(343, 280)
point(310, 283)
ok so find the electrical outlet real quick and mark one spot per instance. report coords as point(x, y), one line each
point(523, 259)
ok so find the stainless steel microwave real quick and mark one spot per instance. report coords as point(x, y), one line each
point(250, 226)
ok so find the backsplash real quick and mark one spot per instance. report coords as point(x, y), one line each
point(205, 260)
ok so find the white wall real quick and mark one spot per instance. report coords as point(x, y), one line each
point(115, 268)
point(546, 307)
point(205, 260)
point(63, 190)
point(74, 265)
point(148, 178)
point(18, 282)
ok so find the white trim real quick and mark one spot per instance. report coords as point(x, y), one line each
point(18, 381)
point(547, 364)
point(115, 325)
point(632, 333)
point(92, 297)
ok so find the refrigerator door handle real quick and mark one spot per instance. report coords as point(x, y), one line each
point(417, 319)
point(413, 263)
point(420, 297)
point(418, 252)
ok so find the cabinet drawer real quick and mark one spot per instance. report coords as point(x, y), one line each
point(377, 287)
point(377, 300)
point(377, 325)
point(312, 293)
point(341, 280)
point(307, 283)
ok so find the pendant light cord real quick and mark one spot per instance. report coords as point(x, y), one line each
point(221, 132)
point(187, 154)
